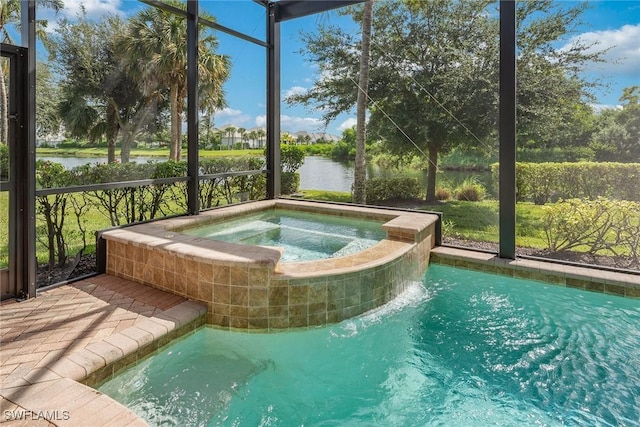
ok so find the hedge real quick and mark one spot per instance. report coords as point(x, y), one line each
point(381, 189)
point(549, 182)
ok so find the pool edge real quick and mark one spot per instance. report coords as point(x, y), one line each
point(588, 279)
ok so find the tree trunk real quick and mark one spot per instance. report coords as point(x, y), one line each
point(4, 108)
point(431, 174)
point(112, 132)
point(360, 172)
point(174, 151)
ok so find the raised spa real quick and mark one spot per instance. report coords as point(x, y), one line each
point(278, 264)
point(304, 236)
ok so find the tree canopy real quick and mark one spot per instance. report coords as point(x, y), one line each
point(155, 47)
point(434, 73)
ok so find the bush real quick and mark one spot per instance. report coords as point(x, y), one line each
point(381, 189)
point(343, 151)
point(290, 181)
point(599, 225)
point(443, 193)
point(291, 157)
point(470, 191)
point(318, 149)
point(548, 182)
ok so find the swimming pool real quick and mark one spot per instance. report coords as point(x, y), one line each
point(304, 236)
point(460, 348)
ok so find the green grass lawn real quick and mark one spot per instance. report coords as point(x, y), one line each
point(469, 220)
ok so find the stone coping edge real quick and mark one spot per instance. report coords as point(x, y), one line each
point(166, 233)
point(588, 279)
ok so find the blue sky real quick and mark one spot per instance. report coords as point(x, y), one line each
point(613, 24)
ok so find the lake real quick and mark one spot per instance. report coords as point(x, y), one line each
point(321, 173)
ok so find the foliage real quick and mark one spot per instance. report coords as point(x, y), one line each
point(382, 189)
point(227, 189)
point(342, 151)
point(597, 226)
point(4, 162)
point(99, 98)
point(545, 182)
point(619, 136)
point(556, 154)
point(69, 217)
point(55, 210)
point(443, 194)
point(433, 80)
point(291, 157)
point(318, 149)
point(125, 205)
point(290, 182)
point(48, 122)
point(470, 190)
point(155, 49)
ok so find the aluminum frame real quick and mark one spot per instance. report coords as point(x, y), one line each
point(507, 131)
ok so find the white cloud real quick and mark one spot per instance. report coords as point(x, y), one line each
point(294, 124)
point(230, 115)
point(347, 124)
point(295, 90)
point(623, 56)
point(93, 8)
point(600, 107)
point(228, 112)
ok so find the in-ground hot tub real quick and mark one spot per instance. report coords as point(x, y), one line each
point(258, 286)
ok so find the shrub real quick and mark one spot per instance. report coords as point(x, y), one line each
point(548, 182)
point(343, 151)
point(471, 191)
point(599, 225)
point(290, 181)
point(381, 189)
point(443, 193)
point(291, 157)
point(55, 209)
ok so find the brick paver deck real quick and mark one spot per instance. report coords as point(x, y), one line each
point(63, 320)
point(67, 329)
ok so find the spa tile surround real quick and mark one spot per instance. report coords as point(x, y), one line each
point(247, 288)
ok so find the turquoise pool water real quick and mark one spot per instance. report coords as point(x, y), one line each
point(460, 349)
point(304, 236)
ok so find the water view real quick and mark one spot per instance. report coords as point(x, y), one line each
point(318, 173)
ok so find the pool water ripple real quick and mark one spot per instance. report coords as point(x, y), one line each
point(461, 348)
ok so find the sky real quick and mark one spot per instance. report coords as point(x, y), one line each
point(612, 24)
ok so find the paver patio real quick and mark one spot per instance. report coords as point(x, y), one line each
point(65, 330)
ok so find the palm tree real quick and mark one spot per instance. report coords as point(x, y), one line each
point(253, 135)
point(156, 45)
point(261, 134)
point(231, 130)
point(10, 16)
point(360, 171)
point(242, 131)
